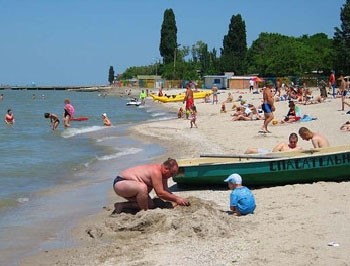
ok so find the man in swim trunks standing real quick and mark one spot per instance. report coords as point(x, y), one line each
point(189, 99)
point(215, 94)
point(343, 92)
point(135, 184)
point(332, 83)
point(268, 106)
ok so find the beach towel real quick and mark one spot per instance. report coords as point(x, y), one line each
point(298, 111)
point(307, 118)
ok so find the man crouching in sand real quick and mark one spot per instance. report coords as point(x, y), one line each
point(317, 139)
point(135, 184)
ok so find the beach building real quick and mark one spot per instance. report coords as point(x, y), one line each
point(150, 81)
point(240, 82)
point(220, 81)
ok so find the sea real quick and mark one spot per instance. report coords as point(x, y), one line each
point(51, 179)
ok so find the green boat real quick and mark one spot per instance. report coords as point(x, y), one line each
point(306, 166)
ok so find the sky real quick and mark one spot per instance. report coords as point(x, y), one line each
point(74, 42)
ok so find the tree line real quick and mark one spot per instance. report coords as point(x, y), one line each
point(271, 54)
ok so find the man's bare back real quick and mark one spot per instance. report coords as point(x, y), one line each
point(189, 93)
point(319, 141)
point(135, 184)
point(142, 173)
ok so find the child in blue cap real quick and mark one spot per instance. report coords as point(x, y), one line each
point(242, 200)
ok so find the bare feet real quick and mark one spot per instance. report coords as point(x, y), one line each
point(264, 131)
point(118, 208)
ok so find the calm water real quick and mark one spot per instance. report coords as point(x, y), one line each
point(49, 178)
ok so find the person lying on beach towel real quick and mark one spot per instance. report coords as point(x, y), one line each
point(345, 126)
point(245, 114)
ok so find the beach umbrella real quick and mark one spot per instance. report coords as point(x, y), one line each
point(257, 79)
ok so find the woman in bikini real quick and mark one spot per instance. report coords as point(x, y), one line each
point(54, 121)
point(9, 117)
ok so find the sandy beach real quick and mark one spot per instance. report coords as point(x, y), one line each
point(292, 224)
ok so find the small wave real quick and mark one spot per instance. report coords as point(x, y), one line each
point(72, 132)
point(106, 138)
point(158, 114)
point(119, 154)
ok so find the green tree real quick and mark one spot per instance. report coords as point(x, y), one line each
point(172, 70)
point(168, 37)
point(111, 75)
point(201, 57)
point(234, 48)
point(273, 54)
point(322, 52)
point(214, 63)
point(341, 41)
point(265, 54)
point(138, 70)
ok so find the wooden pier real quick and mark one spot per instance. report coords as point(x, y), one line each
point(41, 88)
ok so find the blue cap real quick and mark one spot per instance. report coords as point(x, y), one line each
point(234, 178)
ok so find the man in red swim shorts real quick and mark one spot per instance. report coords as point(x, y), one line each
point(189, 100)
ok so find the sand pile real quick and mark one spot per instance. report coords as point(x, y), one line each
point(141, 238)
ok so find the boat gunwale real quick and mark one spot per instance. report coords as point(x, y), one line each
point(245, 159)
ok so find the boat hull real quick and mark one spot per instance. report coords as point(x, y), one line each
point(287, 169)
point(134, 102)
point(180, 97)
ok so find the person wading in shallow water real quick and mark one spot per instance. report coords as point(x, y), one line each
point(135, 184)
point(9, 117)
point(68, 112)
point(54, 121)
point(106, 121)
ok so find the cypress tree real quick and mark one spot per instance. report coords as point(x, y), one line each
point(234, 46)
point(111, 75)
point(168, 37)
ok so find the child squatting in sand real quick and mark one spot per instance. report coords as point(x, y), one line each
point(242, 201)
